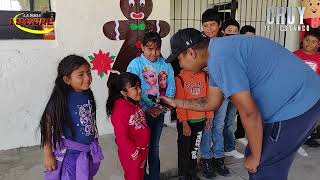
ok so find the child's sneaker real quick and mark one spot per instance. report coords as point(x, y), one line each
point(195, 177)
point(243, 141)
point(221, 167)
point(234, 154)
point(184, 178)
point(207, 168)
point(312, 143)
point(302, 152)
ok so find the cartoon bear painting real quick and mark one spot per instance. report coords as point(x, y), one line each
point(311, 14)
point(132, 30)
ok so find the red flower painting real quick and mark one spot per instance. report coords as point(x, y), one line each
point(101, 62)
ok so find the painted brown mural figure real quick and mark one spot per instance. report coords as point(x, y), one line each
point(132, 30)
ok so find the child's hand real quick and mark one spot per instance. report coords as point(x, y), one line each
point(208, 125)
point(50, 162)
point(186, 129)
point(155, 111)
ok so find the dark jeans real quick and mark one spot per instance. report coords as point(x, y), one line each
point(188, 147)
point(240, 133)
point(155, 125)
point(281, 141)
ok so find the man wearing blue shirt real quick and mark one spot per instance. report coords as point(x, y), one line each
point(276, 94)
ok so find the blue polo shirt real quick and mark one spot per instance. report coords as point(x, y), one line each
point(282, 86)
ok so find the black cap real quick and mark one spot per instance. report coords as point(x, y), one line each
point(182, 40)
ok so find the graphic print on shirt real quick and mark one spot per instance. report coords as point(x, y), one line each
point(162, 80)
point(195, 87)
point(150, 77)
point(86, 119)
point(138, 119)
point(312, 64)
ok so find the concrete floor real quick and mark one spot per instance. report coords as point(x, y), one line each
point(26, 163)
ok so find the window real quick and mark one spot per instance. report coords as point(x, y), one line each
point(26, 19)
point(25, 5)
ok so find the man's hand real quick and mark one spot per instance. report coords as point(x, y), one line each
point(251, 164)
point(252, 124)
point(211, 102)
point(169, 101)
point(186, 129)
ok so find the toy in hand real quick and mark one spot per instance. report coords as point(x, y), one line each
point(156, 100)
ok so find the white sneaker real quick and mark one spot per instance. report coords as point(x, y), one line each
point(243, 141)
point(234, 154)
point(302, 152)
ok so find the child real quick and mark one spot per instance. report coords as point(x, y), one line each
point(230, 27)
point(151, 59)
point(310, 55)
point(131, 131)
point(68, 124)
point(190, 85)
point(211, 23)
point(309, 51)
point(248, 30)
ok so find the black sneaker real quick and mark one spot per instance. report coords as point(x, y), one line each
point(221, 167)
point(311, 142)
point(315, 134)
point(195, 177)
point(184, 178)
point(207, 168)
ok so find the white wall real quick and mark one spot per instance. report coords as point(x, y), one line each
point(28, 67)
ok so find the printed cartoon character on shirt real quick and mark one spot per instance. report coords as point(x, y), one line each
point(132, 31)
point(162, 77)
point(311, 14)
point(150, 76)
point(86, 119)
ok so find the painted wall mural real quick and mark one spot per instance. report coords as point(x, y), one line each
point(311, 14)
point(101, 62)
point(131, 30)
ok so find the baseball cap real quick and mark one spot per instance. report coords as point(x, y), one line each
point(182, 40)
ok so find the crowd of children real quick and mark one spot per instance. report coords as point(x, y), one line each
point(69, 133)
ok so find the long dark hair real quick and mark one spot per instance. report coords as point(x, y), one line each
point(56, 114)
point(120, 83)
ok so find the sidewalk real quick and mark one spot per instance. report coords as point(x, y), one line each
point(26, 163)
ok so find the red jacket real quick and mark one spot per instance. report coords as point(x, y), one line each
point(131, 131)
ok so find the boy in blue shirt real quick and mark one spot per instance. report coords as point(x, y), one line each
point(155, 75)
point(278, 108)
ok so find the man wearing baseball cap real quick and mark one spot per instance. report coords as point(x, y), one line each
point(276, 94)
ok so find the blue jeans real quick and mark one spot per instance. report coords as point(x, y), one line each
point(212, 143)
point(229, 128)
point(155, 125)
